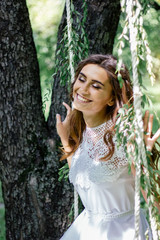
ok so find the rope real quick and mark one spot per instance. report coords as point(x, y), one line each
point(71, 61)
point(153, 224)
point(137, 107)
point(151, 209)
point(133, 16)
point(69, 28)
point(75, 203)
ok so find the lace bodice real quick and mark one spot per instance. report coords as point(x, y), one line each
point(87, 165)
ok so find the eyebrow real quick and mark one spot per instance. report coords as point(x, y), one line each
point(92, 79)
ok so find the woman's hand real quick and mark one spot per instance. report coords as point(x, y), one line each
point(63, 127)
point(149, 142)
point(63, 131)
point(148, 138)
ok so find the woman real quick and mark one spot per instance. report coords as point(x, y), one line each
point(98, 169)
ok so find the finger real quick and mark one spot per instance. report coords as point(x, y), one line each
point(156, 135)
point(68, 108)
point(58, 118)
point(145, 120)
point(150, 125)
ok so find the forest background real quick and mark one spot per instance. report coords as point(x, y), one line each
point(45, 16)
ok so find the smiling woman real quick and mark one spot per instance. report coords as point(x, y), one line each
point(92, 92)
point(98, 168)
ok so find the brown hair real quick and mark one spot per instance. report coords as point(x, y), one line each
point(120, 96)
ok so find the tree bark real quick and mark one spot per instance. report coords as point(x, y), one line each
point(36, 204)
point(22, 121)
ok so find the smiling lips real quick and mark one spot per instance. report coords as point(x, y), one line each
point(82, 99)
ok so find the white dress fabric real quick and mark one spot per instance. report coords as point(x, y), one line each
point(106, 190)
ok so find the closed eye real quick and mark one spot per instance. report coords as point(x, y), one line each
point(96, 86)
point(81, 79)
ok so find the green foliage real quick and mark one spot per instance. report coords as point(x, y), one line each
point(63, 172)
point(45, 16)
point(2, 224)
point(151, 20)
point(127, 136)
point(129, 119)
point(152, 28)
point(71, 213)
point(79, 45)
point(151, 25)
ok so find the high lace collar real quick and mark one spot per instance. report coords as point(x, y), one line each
point(94, 134)
point(106, 124)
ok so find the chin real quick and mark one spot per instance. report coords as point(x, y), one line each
point(75, 106)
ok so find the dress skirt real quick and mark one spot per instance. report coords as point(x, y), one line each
point(88, 226)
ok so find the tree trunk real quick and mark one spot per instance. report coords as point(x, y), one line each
point(21, 129)
point(36, 204)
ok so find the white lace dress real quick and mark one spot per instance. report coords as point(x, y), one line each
point(106, 190)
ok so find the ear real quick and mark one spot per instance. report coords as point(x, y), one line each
point(111, 102)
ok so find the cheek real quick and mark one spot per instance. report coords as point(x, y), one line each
point(75, 87)
point(103, 97)
point(103, 100)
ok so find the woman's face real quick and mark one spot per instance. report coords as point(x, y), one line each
point(92, 91)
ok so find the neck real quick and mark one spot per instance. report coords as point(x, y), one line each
point(95, 120)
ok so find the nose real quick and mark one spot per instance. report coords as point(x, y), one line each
point(85, 88)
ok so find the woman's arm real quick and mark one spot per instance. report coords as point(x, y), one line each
point(156, 204)
point(149, 142)
point(148, 138)
point(63, 130)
